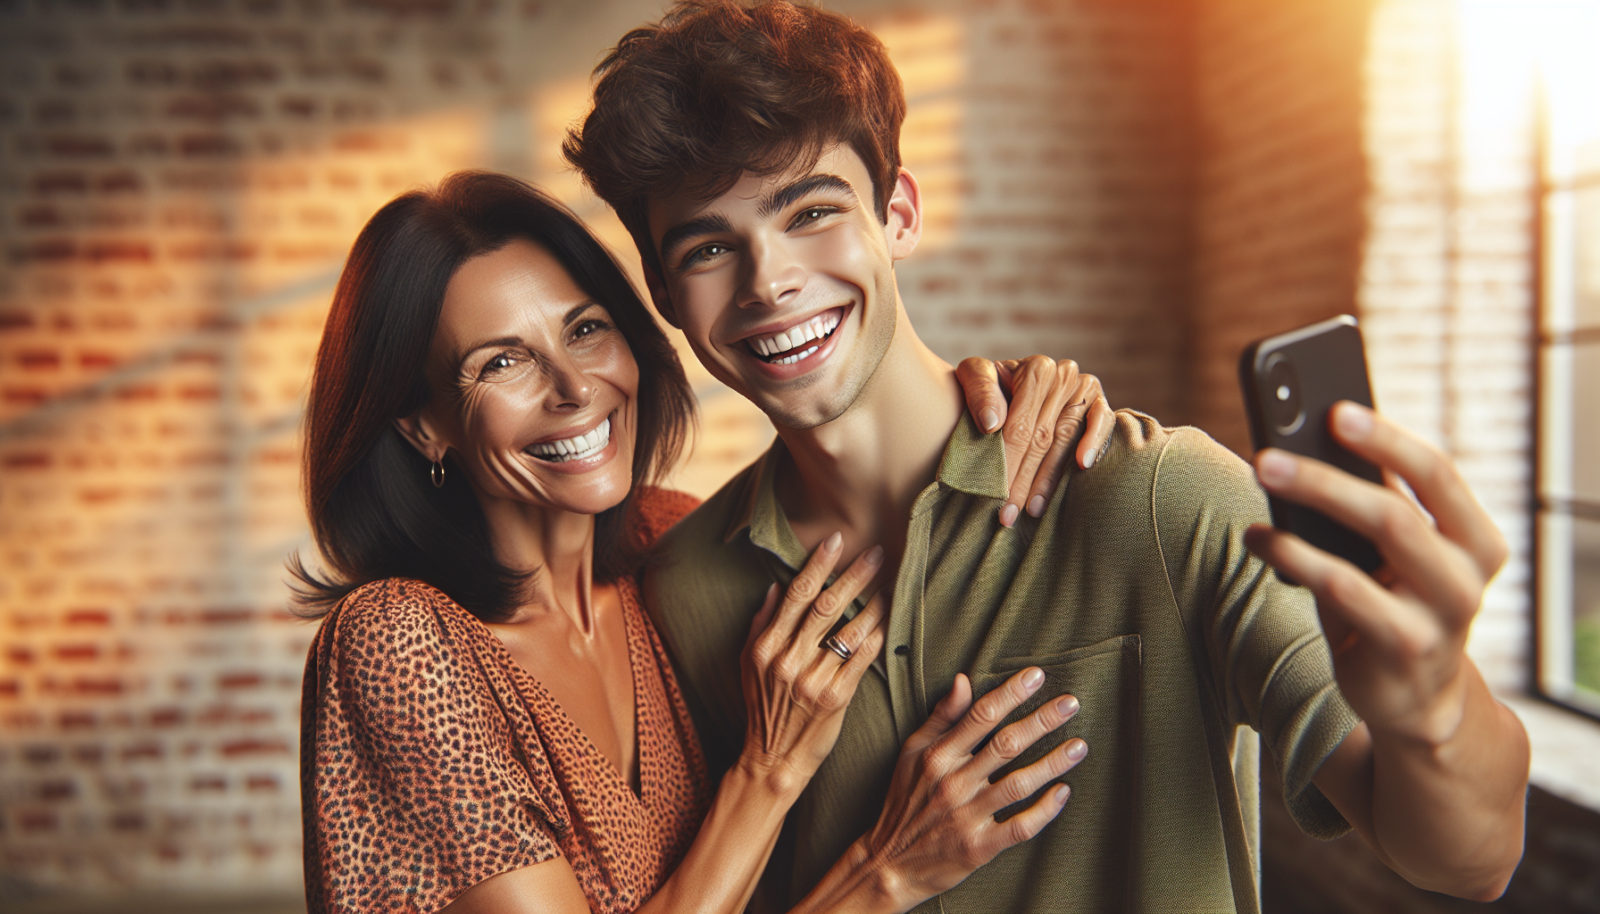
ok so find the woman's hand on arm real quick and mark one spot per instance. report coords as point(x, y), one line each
point(938, 824)
point(1055, 413)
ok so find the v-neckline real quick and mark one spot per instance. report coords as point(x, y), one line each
point(589, 745)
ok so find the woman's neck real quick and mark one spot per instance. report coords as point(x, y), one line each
point(556, 549)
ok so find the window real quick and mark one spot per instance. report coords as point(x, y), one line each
point(1568, 472)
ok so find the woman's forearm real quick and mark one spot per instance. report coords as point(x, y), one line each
point(720, 872)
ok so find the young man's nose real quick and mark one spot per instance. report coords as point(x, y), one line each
point(775, 276)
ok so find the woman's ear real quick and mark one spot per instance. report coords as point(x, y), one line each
point(418, 430)
point(903, 223)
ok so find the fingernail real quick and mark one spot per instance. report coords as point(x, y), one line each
point(1066, 706)
point(1089, 460)
point(1062, 791)
point(1274, 467)
point(833, 542)
point(875, 556)
point(1008, 515)
point(1036, 506)
point(1032, 679)
point(989, 419)
point(1354, 422)
point(1077, 749)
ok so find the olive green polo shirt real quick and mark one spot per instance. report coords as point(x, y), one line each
point(1133, 592)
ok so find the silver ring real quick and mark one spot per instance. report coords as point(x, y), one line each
point(838, 647)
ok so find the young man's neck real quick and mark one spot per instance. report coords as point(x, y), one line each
point(861, 473)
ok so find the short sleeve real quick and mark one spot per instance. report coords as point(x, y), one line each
point(1269, 660)
point(413, 792)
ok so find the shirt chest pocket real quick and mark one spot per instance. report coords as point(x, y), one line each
point(1081, 861)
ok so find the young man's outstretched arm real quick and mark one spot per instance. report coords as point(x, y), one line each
point(1435, 776)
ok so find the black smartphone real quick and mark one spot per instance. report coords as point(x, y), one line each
point(1290, 381)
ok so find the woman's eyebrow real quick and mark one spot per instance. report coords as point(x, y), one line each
point(786, 195)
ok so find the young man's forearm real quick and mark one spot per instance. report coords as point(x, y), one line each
point(1446, 814)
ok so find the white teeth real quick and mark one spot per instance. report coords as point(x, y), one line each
point(575, 448)
point(796, 336)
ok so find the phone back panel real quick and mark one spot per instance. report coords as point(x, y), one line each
point(1290, 382)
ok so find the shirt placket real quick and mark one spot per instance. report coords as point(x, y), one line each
point(905, 632)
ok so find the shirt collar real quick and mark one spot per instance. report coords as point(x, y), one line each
point(973, 463)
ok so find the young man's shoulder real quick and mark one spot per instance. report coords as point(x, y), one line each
point(1142, 456)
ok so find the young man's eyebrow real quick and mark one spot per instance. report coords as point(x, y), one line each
point(700, 225)
point(784, 196)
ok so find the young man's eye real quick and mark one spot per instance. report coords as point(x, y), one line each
point(704, 253)
point(812, 214)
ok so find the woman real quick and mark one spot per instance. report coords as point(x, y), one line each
point(489, 721)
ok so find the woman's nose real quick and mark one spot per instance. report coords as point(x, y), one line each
point(571, 388)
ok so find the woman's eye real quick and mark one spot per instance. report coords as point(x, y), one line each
point(496, 364)
point(588, 327)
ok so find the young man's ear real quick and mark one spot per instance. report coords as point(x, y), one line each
point(658, 294)
point(417, 429)
point(903, 227)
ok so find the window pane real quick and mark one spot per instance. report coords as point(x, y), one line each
point(1586, 253)
point(1586, 608)
point(1584, 421)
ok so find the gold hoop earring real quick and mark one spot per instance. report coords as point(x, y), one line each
point(436, 473)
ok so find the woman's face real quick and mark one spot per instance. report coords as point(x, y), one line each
point(534, 385)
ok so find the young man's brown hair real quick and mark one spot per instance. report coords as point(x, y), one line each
point(720, 87)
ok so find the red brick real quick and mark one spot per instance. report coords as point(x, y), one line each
point(254, 746)
point(34, 821)
point(76, 720)
point(74, 146)
point(119, 182)
point(56, 790)
point(239, 681)
point(60, 182)
point(42, 754)
point(96, 359)
point(28, 460)
point(76, 652)
point(15, 320)
point(21, 654)
point(162, 718)
point(119, 252)
point(96, 618)
point(130, 822)
point(263, 783)
point(145, 749)
point(39, 359)
point(208, 783)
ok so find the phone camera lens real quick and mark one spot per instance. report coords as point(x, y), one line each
point(1284, 408)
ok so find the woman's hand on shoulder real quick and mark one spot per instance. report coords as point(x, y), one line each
point(798, 679)
point(1053, 406)
point(938, 824)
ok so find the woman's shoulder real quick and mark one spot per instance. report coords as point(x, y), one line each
point(657, 509)
point(391, 608)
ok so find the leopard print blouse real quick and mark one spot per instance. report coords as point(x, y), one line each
point(431, 760)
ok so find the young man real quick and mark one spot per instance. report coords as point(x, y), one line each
point(753, 154)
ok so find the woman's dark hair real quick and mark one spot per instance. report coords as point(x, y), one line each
point(374, 512)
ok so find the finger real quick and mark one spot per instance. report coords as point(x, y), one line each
point(946, 714)
point(1046, 434)
point(1346, 596)
point(1033, 382)
point(806, 586)
point(980, 382)
point(864, 636)
point(1443, 575)
point(1015, 739)
point(1086, 394)
point(1102, 419)
point(1026, 824)
point(1433, 476)
point(1026, 781)
point(825, 609)
point(987, 712)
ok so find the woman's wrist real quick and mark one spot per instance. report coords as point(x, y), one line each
point(858, 884)
point(771, 773)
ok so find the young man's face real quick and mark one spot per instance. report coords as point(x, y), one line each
point(784, 285)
